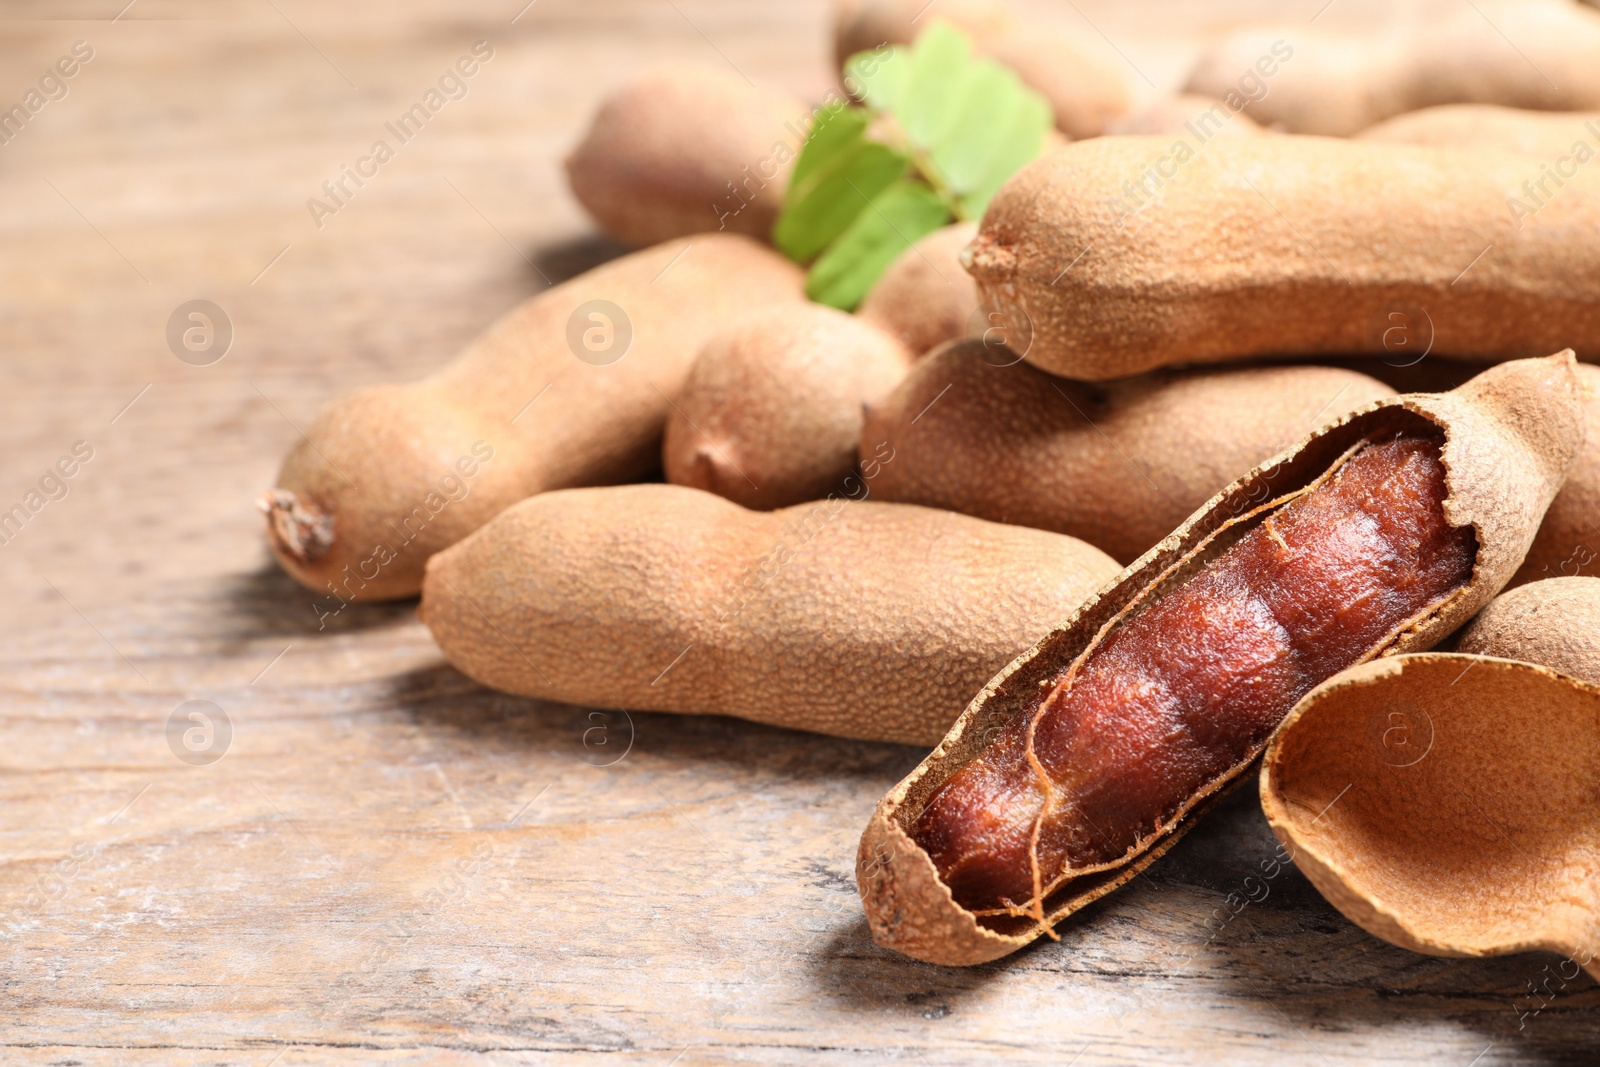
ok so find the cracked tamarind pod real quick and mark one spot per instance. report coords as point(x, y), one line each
point(843, 616)
point(1123, 254)
point(568, 389)
point(1088, 756)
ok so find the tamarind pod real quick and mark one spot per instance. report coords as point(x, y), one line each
point(1521, 53)
point(688, 149)
point(926, 297)
point(1281, 246)
point(1506, 440)
point(1116, 464)
point(1202, 116)
point(771, 413)
point(570, 388)
point(1548, 135)
point(1085, 93)
point(1554, 623)
point(841, 616)
point(1569, 538)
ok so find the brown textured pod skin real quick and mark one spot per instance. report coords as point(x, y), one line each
point(1569, 540)
point(361, 502)
point(1085, 93)
point(1549, 135)
point(1284, 246)
point(926, 297)
point(845, 617)
point(1203, 116)
point(1554, 623)
point(658, 158)
point(1466, 824)
point(1509, 437)
point(771, 413)
point(1337, 84)
point(1118, 465)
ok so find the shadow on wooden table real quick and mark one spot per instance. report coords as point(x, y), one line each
point(770, 754)
point(1282, 964)
point(560, 260)
point(1285, 961)
point(1296, 959)
point(266, 602)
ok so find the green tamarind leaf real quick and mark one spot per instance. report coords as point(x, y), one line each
point(935, 84)
point(897, 216)
point(877, 77)
point(1021, 144)
point(965, 153)
point(836, 130)
point(840, 195)
point(941, 131)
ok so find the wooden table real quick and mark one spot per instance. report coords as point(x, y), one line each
point(390, 864)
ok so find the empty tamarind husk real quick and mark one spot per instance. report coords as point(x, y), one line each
point(1554, 623)
point(1480, 464)
point(1446, 803)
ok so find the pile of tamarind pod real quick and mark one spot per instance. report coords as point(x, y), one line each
point(1066, 497)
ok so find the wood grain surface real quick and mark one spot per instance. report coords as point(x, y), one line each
point(389, 864)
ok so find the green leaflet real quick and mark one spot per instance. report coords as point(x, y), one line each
point(934, 88)
point(940, 132)
point(837, 173)
point(834, 131)
point(887, 226)
point(1019, 145)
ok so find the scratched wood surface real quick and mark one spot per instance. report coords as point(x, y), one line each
point(388, 864)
